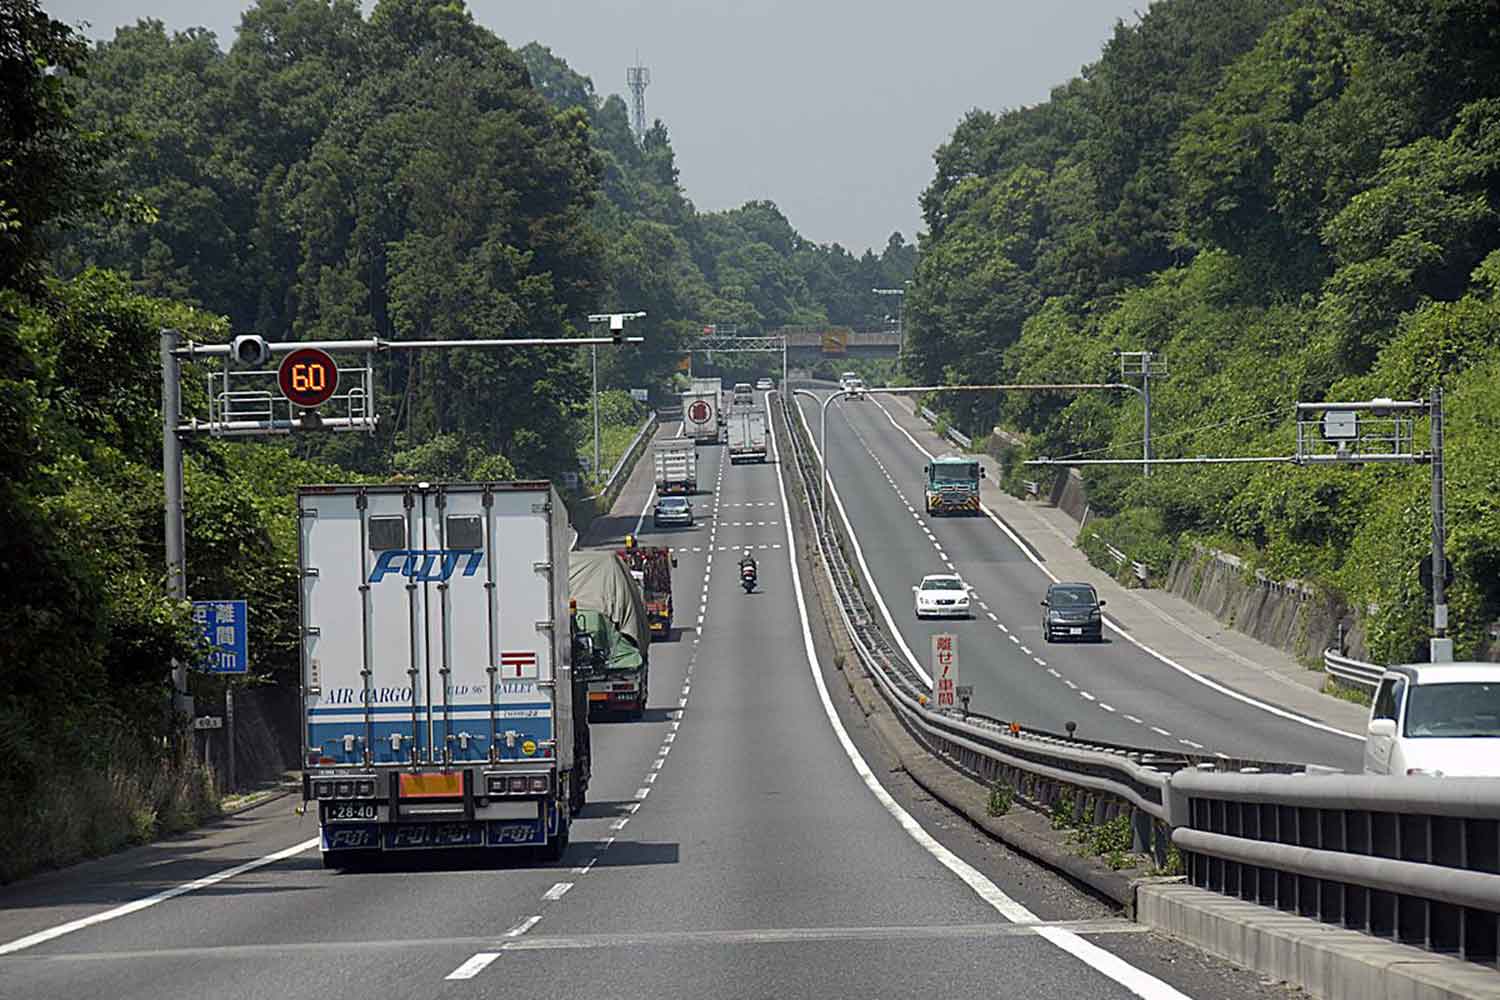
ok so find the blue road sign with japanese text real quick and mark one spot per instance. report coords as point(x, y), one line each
point(226, 627)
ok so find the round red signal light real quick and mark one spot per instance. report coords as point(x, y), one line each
point(308, 377)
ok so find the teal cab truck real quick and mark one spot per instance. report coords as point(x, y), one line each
point(953, 485)
point(608, 606)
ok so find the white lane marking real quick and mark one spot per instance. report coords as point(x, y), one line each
point(1221, 756)
point(1107, 708)
point(585, 869)
point(526, 924)
point(1107, 964)
point(632, 807)
point(1054, 673)
point(1071, 685)
point(1190, 743)
point(642, 792)
point(1085, 694)
point(669, 737)
point(1168, 661)
point(657, 763)
point(557, 892)
point(642, 519)
point(651, 777)
point(1014, 638)
point(1002, 627)
point(474, 966)
point(135, 906)
point(859, 555)
point(992, 616)
point(1160, 731)
point(1025, 649)
point(608, 843)
point(1137, 721)
point(682, 703)
point(1039, 661)
point(619, 824)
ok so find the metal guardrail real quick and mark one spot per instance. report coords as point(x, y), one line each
point(1140, 569)
point(629, 455)
point(1033, 488)
point(1413, 859)
point(1350, 671)
point(962, 440)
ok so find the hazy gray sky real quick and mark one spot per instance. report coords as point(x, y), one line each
point(830, 108)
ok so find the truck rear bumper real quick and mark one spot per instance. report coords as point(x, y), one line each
point(532, 831)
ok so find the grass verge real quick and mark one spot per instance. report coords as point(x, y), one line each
point(77, 812)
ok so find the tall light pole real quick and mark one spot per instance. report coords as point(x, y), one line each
point(1145, 364)
point(900, 294)
point(616, 323)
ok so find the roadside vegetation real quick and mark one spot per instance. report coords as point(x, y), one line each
point(1288, 200)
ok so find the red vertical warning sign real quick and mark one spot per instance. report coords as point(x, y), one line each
point(945, 670)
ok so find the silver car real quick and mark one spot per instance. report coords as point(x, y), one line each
point(672, 510)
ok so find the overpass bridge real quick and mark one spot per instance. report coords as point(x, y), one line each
point(805, 342)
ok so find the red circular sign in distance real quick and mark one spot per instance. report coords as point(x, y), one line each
point(308, 377)
point(698, 412)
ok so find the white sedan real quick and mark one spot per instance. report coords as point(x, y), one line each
point(941, 595)
point(1439, 720)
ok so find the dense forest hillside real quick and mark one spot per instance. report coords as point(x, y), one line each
point(1289, 201)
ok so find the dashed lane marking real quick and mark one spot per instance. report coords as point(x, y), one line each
point(474, 966)
point(557, 892)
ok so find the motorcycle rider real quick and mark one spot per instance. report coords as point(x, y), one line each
point(748, 560)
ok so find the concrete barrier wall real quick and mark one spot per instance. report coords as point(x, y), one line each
point(1291, 615)
point(1069, 496)
point(583, 510)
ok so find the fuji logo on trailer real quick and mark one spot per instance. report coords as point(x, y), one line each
point(426, 565)
point(699, 412)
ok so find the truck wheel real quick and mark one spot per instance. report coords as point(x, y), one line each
point(557, 845)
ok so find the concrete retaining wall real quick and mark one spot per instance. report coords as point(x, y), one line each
point(1069, 496)
point(1291, 615)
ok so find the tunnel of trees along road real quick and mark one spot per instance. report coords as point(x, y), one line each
point(1288, 200)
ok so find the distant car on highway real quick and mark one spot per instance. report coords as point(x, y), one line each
point(672, 510)
point(1441, 720)
point(941, 595)
point(764, 383)
point(1071, 611)
point(856, 388)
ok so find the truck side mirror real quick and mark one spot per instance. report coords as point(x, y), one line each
point(1044, 604)
point(1383, 728)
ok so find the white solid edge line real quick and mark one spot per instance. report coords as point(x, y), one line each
point(1207, 682)
point(135, 906)
point(1140, 983)
point(859, 553)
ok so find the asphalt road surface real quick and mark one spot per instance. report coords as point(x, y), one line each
point(745, 839)
point(1114, 691)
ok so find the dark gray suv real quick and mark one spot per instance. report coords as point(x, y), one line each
point(1071, 611)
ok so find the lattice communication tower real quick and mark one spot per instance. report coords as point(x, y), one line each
point(638, 78)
